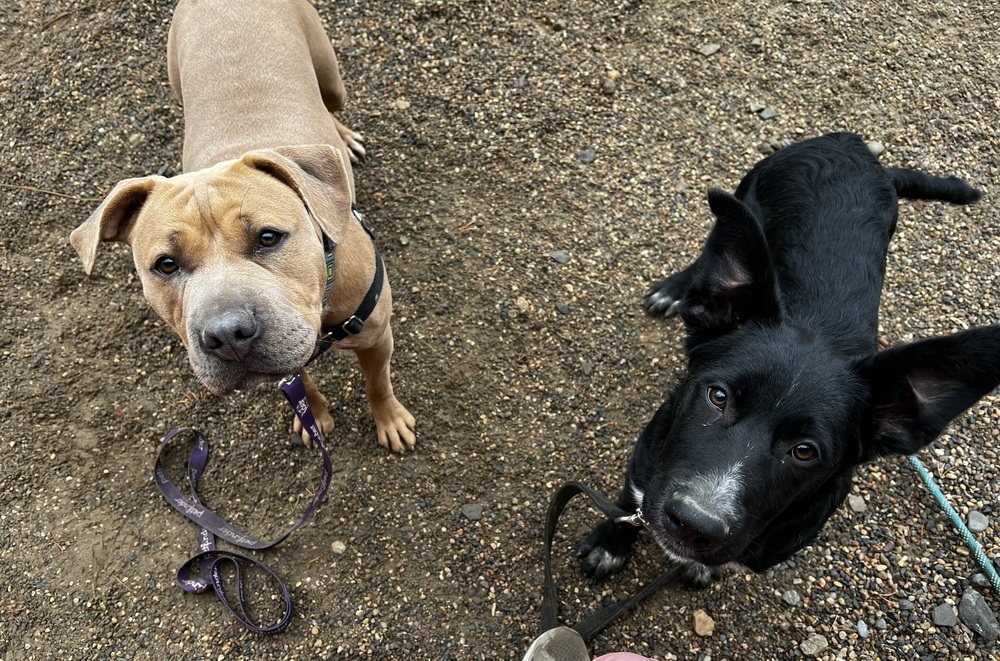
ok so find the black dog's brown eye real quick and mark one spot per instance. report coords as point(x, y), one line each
point(717, 397)
point(269, 238)
point(166, 265)
point(805, 452)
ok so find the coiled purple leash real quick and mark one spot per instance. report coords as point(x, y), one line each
point(208, 561)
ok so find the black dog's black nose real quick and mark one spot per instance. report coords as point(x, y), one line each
point(695, 528)
point(231, 335)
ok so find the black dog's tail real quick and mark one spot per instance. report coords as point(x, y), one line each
point(917, 185)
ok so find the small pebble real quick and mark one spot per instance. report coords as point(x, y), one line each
point(814, 645)
point(704, 625)
point(945, 615)
point(338, 548)
point(756, 107)
point(404, 240)
point(588, 366)
point(880, 624)
point(857, 503)
point(710, 49)
point(977, 521)
point(472, 512)
point(876, 148)
point(560, 256)
point(587, 156)
point(863, 631)
point(608, 86)
point(906, 605)
point(561, 307)
point(792, 598)
point(979, 580)
point(768, 113)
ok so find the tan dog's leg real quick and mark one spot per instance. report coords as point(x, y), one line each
point(320, 410)
point(331, 85)
point(393, 422)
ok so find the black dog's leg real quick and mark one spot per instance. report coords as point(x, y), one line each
point(607, 547)
point(665, 296)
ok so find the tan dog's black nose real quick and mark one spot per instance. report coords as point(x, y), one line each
point(231, 335)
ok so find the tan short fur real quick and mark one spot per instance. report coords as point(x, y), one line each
point(262, 153)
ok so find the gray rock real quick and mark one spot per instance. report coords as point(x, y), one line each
point(608, 86)
point(768, 113)
point(560, 256)
point(977, 521)
point(880, 624)
point(814, 645)
point(404, 240)
point(587, 156)
point(472, 512)
point(792, 598)
point(979, 580)
point(756, 107)
point(945, 615)
point(710, 49)
point(588, 366)
point(857, 503)
point(906, 605)
point(561, 307)
point(976, 615)
point(863, 631)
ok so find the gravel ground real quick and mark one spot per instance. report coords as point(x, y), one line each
point(533, 166)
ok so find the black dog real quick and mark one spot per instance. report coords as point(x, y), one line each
point(786, 392)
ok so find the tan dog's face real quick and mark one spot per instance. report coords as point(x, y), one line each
point(231, 258)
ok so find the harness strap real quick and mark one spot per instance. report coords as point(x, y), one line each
point(596, 622)
point(208, 561)
point(356, 322)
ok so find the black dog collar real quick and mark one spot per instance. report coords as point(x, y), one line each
point(356, 322)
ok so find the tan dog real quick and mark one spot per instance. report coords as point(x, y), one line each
point(231, 253)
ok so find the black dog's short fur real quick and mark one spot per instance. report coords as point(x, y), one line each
point(786, 392)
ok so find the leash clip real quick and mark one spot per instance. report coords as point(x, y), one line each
point(637, 519)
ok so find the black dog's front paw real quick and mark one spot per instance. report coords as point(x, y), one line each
point(698, 576)
point(665, 296)
point(606, 549)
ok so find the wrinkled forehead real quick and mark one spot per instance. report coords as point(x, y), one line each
point(215, 208)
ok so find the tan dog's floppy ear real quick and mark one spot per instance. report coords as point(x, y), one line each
point(315, 172)
point(111, 220)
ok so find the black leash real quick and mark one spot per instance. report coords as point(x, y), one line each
point(597, 622)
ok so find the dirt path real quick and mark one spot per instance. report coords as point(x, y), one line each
point(499, 133)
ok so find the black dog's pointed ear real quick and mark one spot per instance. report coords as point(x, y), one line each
point(918, 388)
point(734, 280)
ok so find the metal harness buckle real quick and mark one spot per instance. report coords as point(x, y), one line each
point(636, 519)
point(353, 326)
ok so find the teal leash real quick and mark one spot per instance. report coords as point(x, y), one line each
point(970, 540)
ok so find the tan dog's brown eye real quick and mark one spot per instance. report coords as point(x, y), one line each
point(805, 452)
point(717, 397)
point(166, 265)
point(269, 238)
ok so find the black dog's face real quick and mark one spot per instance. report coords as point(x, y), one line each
point(764, 418)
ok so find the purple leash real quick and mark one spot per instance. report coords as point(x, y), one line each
point(208, 561)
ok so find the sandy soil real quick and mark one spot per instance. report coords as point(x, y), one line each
point(498, 133)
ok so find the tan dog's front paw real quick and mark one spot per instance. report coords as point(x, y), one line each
point(353, 140)
point(320, 409)
point(323, 419)
point(394, 425)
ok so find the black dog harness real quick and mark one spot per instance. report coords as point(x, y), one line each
point(356, 322)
